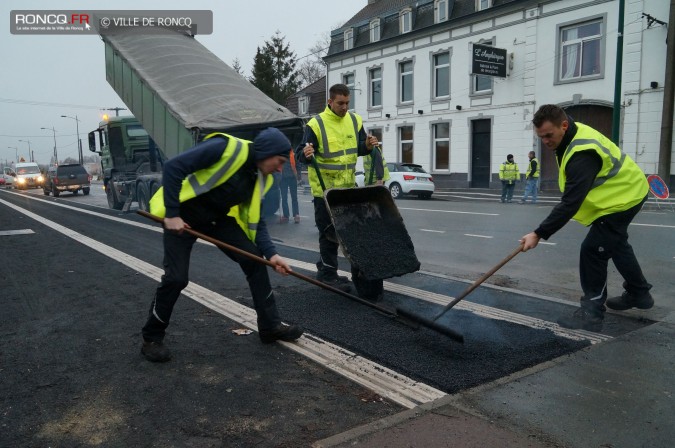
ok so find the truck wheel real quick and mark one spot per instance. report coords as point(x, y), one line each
point(112, 199)
point(45, 191)
point(55, 192)
point(85, 191)
point(75, 192)
point(143, 197)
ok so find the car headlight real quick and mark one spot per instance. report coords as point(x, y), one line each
point(40, 178)
point(21, 180)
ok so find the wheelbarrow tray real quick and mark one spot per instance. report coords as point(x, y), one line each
point(371, 231)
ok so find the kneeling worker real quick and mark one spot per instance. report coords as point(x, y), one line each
point(216, 188)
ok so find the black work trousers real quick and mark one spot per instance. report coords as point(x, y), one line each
point(177, 249)
point(608, 239)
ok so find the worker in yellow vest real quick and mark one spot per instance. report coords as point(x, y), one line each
point(602, 188)
point(216, 188)
point(531, 179)
point(508, 174)
point(334, 138)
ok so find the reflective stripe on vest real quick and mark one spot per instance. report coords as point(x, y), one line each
point(619, 185)
point(336, 161)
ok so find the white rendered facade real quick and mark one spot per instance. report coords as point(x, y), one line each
point(495, 122)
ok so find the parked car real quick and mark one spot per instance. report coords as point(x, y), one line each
point(28, 175)
point(406, 178)
point(7, 177)
point(62, 178)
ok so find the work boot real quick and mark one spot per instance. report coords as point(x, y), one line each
point(582, 319)
point(628, 300)
point(155, 351)
point(296, 218)
point(336, 281)
point(288, 333)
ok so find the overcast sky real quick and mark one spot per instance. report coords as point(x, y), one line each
point(44, 77)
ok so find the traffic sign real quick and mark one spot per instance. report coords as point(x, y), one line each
point(658, 187)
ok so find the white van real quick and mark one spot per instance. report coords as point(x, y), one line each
point(28, 175)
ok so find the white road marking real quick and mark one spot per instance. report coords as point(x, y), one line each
point(547, 243)
point(478, 236)
point(16, 232)
point(432, 231)
point(652, 225)
point(380, 379)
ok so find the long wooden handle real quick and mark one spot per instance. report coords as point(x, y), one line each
point(254, 257)
point(478, 282)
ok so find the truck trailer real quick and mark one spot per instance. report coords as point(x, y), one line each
point(178, 92)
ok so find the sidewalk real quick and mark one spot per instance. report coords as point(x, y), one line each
point(615, 394)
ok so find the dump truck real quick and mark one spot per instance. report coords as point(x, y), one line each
point(178, 92)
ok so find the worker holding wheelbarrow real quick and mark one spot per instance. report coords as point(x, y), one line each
point(332, 142)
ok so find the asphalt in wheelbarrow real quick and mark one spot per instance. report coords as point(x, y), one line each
point(372, 232)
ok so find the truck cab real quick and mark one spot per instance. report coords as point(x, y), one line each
point(129, 158)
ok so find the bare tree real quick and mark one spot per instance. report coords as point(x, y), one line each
point(312, 67)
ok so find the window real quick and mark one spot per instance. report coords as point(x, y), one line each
point(405, 21)
point(483, 4)
point(349, 39)
point(375, 87)
point(375, 30)
point(580, 51)
point(441, 74)
point(348, 80)
point(406, 81)
point(303, 105)
point(441, 141)
point(441, 11)
point(406, 142)
point(482, 84)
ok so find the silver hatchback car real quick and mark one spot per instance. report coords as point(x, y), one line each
point(405, 178)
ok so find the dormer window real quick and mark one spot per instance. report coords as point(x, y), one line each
point(405, 21)
point(483, 4)
point(375, 30)
point(441, 11)
point(349, 39)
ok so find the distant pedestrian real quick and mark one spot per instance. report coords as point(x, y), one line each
point(216, 188)
point(289, 184)
point(531, 179)
point(508, 174)
point(602, 188)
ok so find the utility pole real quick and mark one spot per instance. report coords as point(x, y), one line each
point(116, 109)
point(56, 156)
point(616, 113)
point(666, 143)
point(79, 142)
point(16, 153)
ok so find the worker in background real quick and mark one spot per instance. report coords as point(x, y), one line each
point(602, 188)
point(336, 167)
point(508, 174)
point(289, 184)
point(531, 179)
point(216, 188)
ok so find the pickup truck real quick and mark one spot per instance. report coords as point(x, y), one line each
point(62, 178)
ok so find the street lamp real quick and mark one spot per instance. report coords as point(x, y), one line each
point(79, 143)
point(56, 157)
point(16, 153)
point(30, 153)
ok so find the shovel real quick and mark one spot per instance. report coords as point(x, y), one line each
point(382, 309)
point(431, 323)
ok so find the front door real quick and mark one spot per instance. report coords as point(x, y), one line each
point(481, 134)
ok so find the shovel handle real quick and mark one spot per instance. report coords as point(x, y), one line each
point(478, 282)
point(251, 256)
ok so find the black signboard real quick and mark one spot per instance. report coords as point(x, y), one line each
point(488, 61)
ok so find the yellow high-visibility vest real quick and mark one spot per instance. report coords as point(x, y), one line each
point(619, 185)
point(234, 156)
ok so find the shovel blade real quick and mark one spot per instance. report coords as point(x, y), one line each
point(371, 231)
